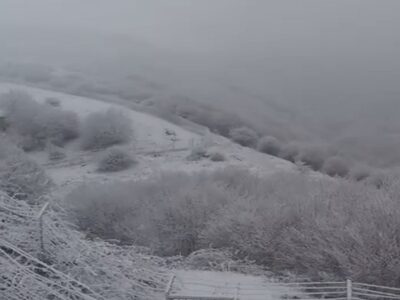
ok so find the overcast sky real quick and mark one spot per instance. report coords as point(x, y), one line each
point(224, 25)
point(333, 51)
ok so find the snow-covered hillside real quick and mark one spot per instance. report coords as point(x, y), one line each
point(159, 146)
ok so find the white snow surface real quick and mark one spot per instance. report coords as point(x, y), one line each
point(227, 284)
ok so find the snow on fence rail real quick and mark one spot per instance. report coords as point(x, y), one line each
point(28, 277)
point(225, 290)
point(43, 257)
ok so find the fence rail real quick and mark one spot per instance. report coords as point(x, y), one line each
point(340, 290)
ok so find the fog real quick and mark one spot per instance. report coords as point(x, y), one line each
point(331, 67)
point(199, 149)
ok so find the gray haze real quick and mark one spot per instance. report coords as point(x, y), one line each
point(326, 62)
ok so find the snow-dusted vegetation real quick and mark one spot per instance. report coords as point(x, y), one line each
point(115, 159)
point(279, 219)
point(104, 129)
point(51, 260)
point(244, 136)
point(20, 177)
point(38, 124)
point(285, 222)
point(269, 145)
point(251, 143)
point(217, 156)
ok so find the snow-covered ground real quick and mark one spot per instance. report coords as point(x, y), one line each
point(154, 148)
point(227, 284)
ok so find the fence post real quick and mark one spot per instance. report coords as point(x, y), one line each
point(349, 289)
point(40, 217)
point(169, 287)
point(237, 292)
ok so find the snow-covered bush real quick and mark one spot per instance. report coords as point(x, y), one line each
point(65, 264)
point(289, 152)
point(269, 145)
point(52, 101)
point(20, 177)
point(215, 119)
point(285, 222)
point(217, 156)
point(210, 260)
point(244, 136)
point(55, 153)
point(166, 213)
point(336, 166)
point(104, 129)
point(312, 227)
point(222, 260)
point(380, 178)
point(115, 159)
point(360, 172)
point(37, 123)
point(312, 156)
point(197, 153)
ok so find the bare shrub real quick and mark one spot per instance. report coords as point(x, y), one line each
point(269, 145)
point(115, 159)
point(336, 166)
point(38, 123)
point(244, 136)
point(104, 129)
point(20, 177)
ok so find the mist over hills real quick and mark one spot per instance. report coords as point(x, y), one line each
point(141, 138)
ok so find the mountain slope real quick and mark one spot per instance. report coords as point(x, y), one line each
point(159, 146)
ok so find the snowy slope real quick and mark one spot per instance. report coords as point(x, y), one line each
point(155, 150)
